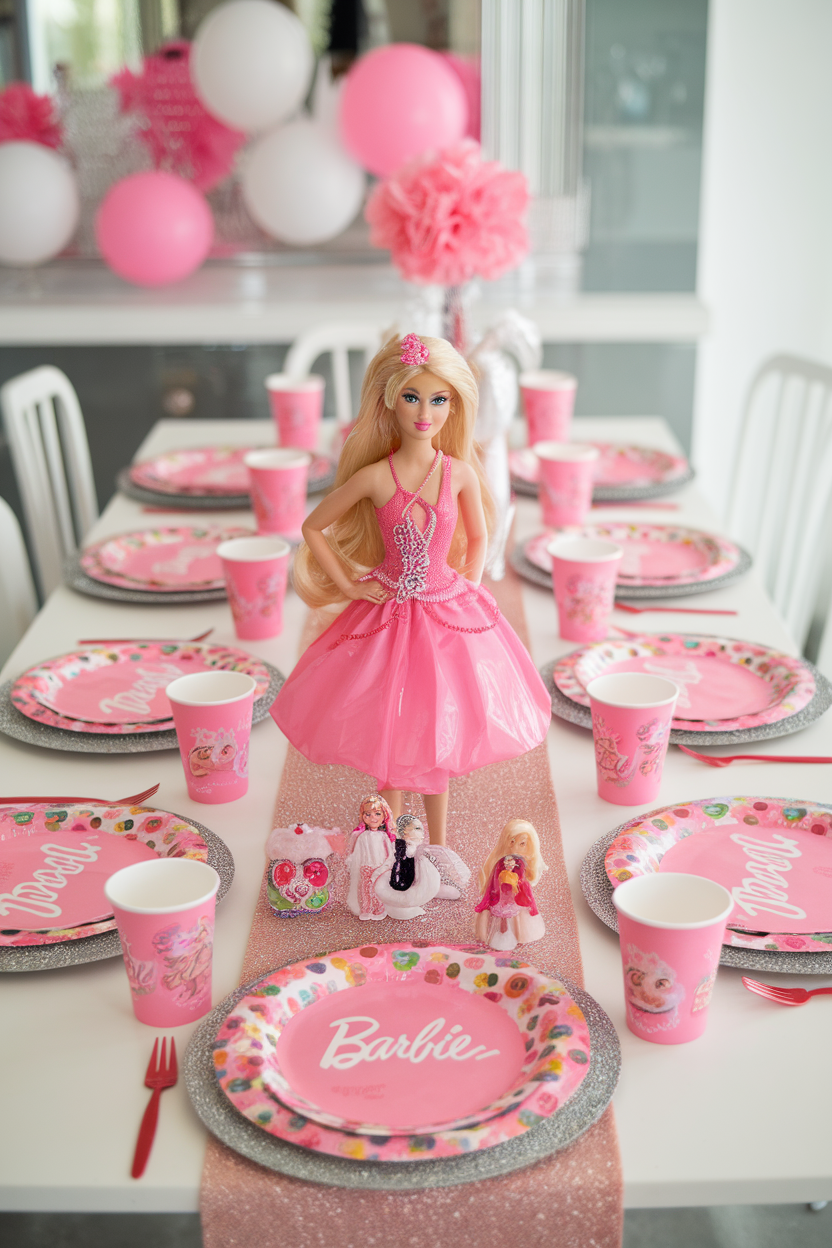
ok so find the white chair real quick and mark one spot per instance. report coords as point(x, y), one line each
point(17, 589)
point(51, 460)
point(781, 494)
point(336, 339)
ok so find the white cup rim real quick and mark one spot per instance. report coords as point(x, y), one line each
point(277, 458)
point(547, 379)
point(306, 384)
point(621, 900)
point(182, 684)
point(152, 867)
point(584, 549)
point(566, 452)
point(633, 680)
point(245, 549)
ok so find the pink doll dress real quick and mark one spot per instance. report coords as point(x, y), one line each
point(432, 683)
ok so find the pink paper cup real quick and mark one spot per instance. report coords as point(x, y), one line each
point(164, 911)
point(278, 489)
point(256, 570)
point(548, 400)
point(631, 714)
point(567, 472)
point(584, 572)
point(212, 715)
point(297, 405)
point(671, 929)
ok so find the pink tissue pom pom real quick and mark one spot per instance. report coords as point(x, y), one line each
point(26, 116)
point(451, 216)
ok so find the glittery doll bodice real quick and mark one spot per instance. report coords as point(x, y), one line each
point(415, 558)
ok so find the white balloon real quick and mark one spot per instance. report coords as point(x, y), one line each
point(39, 203)
point(251, 63)
point(300, 185)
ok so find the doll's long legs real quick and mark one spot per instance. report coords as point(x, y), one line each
point(436, 809)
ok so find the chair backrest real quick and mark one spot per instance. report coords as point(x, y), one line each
point(17, 589)
point(781, 490)
point(51, 460)
point(337, 339)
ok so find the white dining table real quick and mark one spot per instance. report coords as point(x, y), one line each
point(741, 1116)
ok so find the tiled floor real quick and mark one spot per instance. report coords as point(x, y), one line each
point(734, 1226)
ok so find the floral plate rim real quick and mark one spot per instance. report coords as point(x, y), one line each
point(90, 558)
point(570, 685)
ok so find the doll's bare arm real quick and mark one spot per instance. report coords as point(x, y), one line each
point(366, 483)
point(469, 501)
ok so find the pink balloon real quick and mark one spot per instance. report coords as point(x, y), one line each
point(154, 228)
point(398, 102)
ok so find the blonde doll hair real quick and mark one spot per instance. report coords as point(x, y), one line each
point(535, 866)
point(356, 537)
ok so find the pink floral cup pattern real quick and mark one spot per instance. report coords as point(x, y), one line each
point(256, 572)
point(212, 714)
point(548, 401)
point(278, 481)
point(631, 717)
point(297, 405)
point(567, 471)
point(584, 575)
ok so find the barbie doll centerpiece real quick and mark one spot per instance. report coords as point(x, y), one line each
point(298, 880)
point(403, 1039)
point(407, 880)
point(507, 915)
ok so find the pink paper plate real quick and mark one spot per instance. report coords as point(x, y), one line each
point(441, 977)
point(724, 684)
point(773, 854)
point(161, 560)
point(654, 554)
point(208, 471)
point(74, 847)
point(618, 464)
point(121, 688)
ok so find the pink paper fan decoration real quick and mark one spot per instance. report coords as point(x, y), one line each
point(26, 116)
point(182, 136)
point(451, 216)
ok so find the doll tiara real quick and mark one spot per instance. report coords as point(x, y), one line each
point(414, 351)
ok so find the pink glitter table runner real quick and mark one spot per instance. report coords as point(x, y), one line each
point(573, 1198)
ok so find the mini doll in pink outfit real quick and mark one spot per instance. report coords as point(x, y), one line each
point(420, 678)
point(506, 913)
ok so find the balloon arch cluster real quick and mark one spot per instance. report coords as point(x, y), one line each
point(241, 85)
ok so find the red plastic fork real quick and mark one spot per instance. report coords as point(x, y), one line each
point(158, 1076)
point(714, 760)
point(135, 799)
point(783, 996)
point(625, 606)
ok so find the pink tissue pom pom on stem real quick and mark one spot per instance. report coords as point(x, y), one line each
point(28, 117)
point(451, 216)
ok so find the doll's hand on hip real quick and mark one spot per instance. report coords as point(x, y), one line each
point(368, 591)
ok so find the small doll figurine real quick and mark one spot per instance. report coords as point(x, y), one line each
point(421, 677)
point(369, 848)
point(506, 913)
point(408, 879)
point(298, 877)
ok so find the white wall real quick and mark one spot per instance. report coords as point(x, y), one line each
point(765, 258)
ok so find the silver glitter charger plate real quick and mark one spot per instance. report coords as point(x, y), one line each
point(598, 891)
point(15, 724)
point(616, 493)
point(76, 578)
point(582, 1109)
point(574, 713)
point(531, 572)
point(107, 944)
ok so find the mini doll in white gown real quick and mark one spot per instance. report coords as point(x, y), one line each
point(408, 879)
point(371, 843)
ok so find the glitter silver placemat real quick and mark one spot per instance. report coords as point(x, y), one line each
point(564, 708)
point(76, 578)
point(107, 944)
point(615, 493)
point(598, 891)
point(531, 572)
point(15, 724)
point(570, 1121)
point(216, 502)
